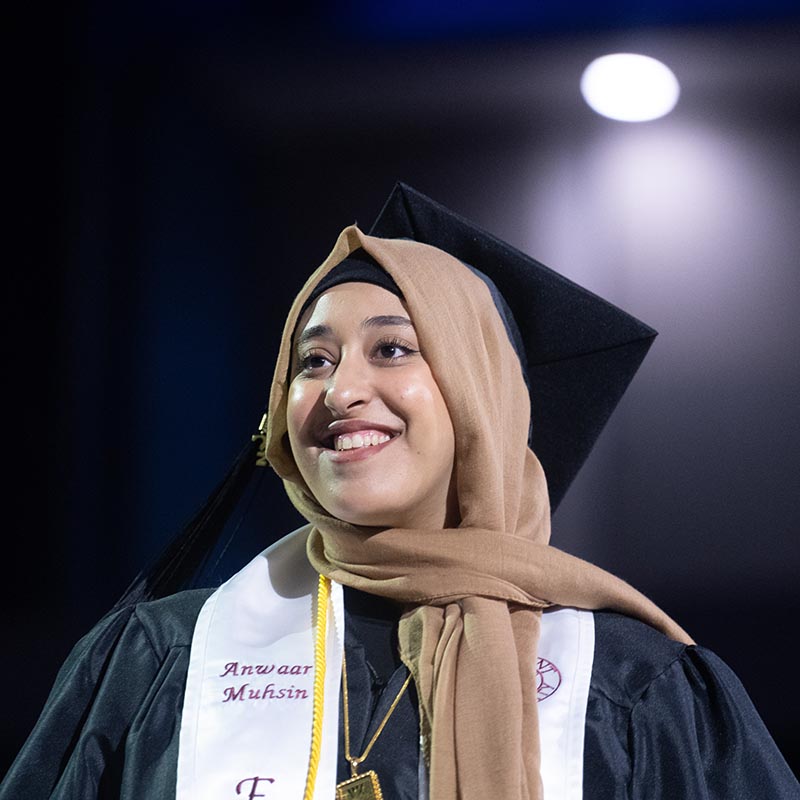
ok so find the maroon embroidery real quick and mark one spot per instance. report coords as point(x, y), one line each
point(241, 787)
point(268, 692)
point(548, 678)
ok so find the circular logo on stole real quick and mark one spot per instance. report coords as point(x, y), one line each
point(548, 678)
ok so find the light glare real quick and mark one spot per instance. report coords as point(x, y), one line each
point(629, 87)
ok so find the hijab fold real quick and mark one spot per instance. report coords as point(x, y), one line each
point(474, 593)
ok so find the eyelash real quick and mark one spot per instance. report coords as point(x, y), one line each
point(304, 361)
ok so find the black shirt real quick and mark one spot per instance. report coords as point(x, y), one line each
point(375, 675)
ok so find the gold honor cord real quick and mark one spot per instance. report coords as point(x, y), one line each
point(323, 595)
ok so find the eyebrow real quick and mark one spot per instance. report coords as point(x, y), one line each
point(382, 321)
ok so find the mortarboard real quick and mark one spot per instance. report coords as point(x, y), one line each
point(581, 350)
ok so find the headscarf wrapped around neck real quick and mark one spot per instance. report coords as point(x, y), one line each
point(475, 593)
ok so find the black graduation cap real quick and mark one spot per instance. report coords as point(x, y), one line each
point(582, 351)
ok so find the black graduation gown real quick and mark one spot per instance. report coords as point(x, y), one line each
point(664, 721)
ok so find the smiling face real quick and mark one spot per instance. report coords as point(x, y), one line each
point(368, 426)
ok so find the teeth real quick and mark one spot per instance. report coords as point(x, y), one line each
point(357, 440)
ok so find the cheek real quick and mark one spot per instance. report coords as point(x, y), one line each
point(298, 412)
point(426, 411)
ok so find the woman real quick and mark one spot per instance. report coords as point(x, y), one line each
point(389, 648)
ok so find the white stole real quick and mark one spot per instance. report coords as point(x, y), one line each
point(246, 722)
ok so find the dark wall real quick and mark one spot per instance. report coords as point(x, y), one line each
point(175, 186)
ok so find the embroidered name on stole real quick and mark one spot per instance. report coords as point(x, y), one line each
point(246, 723)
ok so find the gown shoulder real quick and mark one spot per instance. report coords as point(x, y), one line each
point(668, 720)
point(112, 718)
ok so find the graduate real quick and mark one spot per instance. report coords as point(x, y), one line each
point(435, 393)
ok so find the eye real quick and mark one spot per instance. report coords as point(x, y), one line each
point(393, 350)
point(311, 362)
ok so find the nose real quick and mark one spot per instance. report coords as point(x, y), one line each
point(349, 386)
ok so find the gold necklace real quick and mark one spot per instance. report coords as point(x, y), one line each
point(366, 786)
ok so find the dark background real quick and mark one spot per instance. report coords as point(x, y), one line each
point(178, 169)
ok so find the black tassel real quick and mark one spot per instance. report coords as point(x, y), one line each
point(183, 559)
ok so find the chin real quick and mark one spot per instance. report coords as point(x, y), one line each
point(366, 518)
point(377, 515)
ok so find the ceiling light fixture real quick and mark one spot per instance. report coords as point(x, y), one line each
point(629, 87)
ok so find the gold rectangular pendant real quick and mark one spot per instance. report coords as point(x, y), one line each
point(362, 787)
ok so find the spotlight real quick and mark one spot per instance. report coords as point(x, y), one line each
point(629, 87)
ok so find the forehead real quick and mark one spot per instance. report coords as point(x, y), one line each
point(351, 302)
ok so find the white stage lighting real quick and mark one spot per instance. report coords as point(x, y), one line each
point(629, 87)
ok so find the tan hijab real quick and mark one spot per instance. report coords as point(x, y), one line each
point(476, 591)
